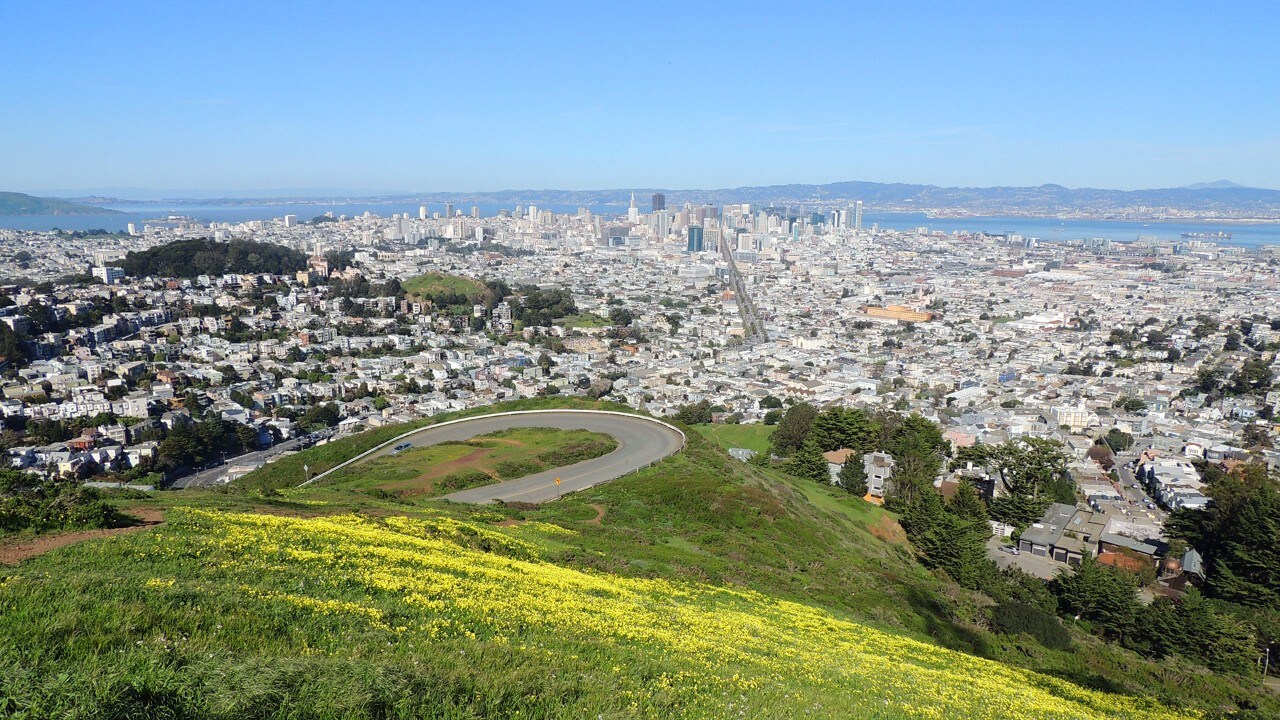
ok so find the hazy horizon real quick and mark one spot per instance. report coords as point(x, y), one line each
point(157, 194)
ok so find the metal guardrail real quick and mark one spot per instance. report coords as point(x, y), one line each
point(683, 438)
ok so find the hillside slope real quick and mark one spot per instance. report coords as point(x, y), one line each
point(699, 587)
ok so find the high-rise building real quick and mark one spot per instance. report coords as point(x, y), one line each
point(661, 223)
point(422, 212)
point(857, 215)
point(659, 202)
point(475, 211)
point(633, 215)
point(290, 221)
point(696, 241)
point(448, 210)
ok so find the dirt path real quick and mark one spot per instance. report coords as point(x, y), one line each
point(12, 554)
point(599, 514)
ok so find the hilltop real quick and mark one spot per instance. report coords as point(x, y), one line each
point(698, 587)
point(12, 203)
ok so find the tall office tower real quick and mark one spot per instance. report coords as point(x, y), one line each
point(290, 221)
point(711, 241)
point(633, 215)
point(422, 212)
point(697, 242)
point(448, 210)
point(857, 215)
point(661, 223)
point(475, 211)
point(659, 202)
point(133, 229)
point(532, 213)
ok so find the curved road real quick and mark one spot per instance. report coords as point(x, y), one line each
point(642, 441)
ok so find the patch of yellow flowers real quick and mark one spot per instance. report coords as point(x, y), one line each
point(444, 579)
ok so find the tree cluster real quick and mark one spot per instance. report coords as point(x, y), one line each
point(202, 256)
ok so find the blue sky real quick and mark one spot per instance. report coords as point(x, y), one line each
point(423, 96)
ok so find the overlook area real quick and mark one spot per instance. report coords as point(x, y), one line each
point(699, 587)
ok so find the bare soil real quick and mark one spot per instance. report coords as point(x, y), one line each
point(14, 553)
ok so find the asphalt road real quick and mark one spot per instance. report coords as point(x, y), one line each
point(217, 475)
point(641, 442)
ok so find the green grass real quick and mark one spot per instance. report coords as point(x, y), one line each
point(503, 455)
point(94, 630)
point(752, 437)
point(584, 320)
point(437, 282)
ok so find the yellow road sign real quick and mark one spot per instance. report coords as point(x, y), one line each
point(557, 481)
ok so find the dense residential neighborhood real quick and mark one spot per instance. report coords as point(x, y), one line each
point(994, 337)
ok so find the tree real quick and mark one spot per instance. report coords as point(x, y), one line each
point(769, 401)
point(694, 413)
point(1255, 436)
point(1238, 535)
point(809, 463)
point(1103, 595)
point(951, 536)
point(1194, 628)
point(773, 417)
point(621, 316)
point(853, 476)
point(1101, 453)
point(839, 427)
point(1118, 440)
point(1033, 471)
point(793, 429)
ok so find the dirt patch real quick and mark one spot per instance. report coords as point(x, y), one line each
point(12, 554)
point(423, 485)
point(887, 529)
point(509, 522)
point(599, 514)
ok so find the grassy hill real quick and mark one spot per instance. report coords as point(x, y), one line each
point(438, 283)
point(699, 587)
point(12, 203)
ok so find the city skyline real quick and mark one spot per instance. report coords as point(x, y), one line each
point(463, 99)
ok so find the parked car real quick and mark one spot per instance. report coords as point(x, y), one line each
point(1012, 550)
point(401, 448)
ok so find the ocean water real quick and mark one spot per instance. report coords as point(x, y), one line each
point(1049, 229)
point(1054, 229)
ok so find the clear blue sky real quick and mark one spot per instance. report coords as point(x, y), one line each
point(423, 96)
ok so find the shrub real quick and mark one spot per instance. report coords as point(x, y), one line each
point(511, 469)
point(1014, 618)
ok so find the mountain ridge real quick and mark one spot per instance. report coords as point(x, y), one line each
point(14, 203)
point(1218, 198)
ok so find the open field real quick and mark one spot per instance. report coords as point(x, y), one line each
point(584, 320)
point(752, 437)
point(447, 467)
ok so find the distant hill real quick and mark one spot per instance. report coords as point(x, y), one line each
point(1212, 199)
point(12, 203)
point(1218, 185)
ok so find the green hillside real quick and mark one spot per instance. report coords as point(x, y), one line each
point(434, 284)
point(12, 203)
point(699, 587)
